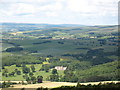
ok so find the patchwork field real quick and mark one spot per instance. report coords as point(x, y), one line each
point(31, 53)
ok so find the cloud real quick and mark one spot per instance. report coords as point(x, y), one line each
point(51, 7)
point(98, 7)
point(17, 9)
point(34, 9)
point(23, 1)
point(80, 6)
point(51, 14)
point(22, 8)
point(59, 11)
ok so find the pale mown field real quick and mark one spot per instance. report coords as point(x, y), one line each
point(48, 84)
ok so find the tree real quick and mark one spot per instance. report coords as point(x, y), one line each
point(69, 76)
point(18, 65)
point(26, 70)
point(3, 67)
point(26, 77)
point(54, 71)
point(94, 79)
point(31, 74)
point(6, 71)
point(78, 84)
point(33, 68)
point(12, 74)
point(6, 75)
point(6, 84)
point(46, 70)
point(33, 78)
point(14, 49)
point(23, 65)
point(45, 67)
point(18, 72)
point(39, 79)
point(54, 77)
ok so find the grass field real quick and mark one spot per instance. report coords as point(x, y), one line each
point(55, 48)
point(52, 85)
point(37, 73)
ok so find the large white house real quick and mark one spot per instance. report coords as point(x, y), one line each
point(60, 68)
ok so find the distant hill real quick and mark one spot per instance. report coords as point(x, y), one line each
point(32, 26)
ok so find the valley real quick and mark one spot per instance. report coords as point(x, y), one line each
point(32, 51)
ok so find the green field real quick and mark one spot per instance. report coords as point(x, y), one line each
point(20, 77)
point(87, 52)
point(53, 47)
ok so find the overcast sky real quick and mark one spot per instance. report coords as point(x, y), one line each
point(85, 12)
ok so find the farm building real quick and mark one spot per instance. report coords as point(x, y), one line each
point(60, 68)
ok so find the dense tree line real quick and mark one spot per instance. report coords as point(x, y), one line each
point(19, 60)
point(100, 86)
point(14, 49)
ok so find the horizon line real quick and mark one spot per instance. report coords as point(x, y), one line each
point(61, 23)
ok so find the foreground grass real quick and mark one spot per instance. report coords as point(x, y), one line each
point(65, 85)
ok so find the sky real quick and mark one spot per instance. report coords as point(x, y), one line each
point(84, 12)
